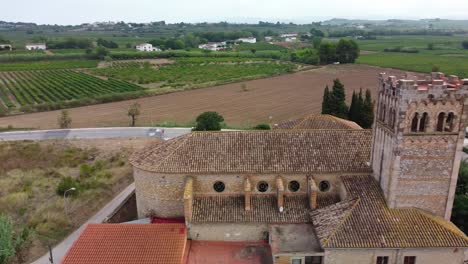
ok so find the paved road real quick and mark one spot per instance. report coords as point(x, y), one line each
point(90, 133)
point(61, 249)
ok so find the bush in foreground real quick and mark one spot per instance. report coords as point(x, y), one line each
point(209, 121)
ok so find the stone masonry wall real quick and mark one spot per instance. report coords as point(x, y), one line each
point(228, 231)
point(396, 256)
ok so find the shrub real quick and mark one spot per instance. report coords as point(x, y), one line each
point(465, 44)
point(67, 183)
point(262, 127)
point(209, 121)
point(6, 239)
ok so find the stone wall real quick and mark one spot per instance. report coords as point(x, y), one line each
point(228, 231)
point(162, 194)
point(126, 212)
point(396, 256)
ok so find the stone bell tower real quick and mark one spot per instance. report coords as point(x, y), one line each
point(418, 136)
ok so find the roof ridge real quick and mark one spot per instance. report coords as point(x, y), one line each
point(307, 117)
point(343, 219)
point(183, 139)
point(443, 223)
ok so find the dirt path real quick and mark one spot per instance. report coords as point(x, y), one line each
point(282, 97)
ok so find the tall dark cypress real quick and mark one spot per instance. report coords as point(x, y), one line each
point(368, 111)
point(326, 101)
point(338, 105)
point(352, 108)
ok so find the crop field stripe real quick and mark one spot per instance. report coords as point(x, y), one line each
point(13, 92)
point(66, 82)
point(32, 93)
point(90, 85)
point(38, 95)
point(43, 81)
point(5, 95)
point(12, 85)
point(29, 84)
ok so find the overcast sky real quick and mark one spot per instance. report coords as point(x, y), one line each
point(299, 11)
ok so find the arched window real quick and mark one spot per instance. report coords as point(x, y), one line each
point(423, 122)
point(390, 118)
point(414, 123)
point(383, 113)
point(449, 122)
point(440, 122)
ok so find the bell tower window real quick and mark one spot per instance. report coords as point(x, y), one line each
point(414, 123)
point(449, 122)
point(423, 122)
point(440, 122)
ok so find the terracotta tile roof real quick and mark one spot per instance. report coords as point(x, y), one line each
point(275, 151)
point(371, 224)
point(129, 243)
point(264, 208)
point(318, 122)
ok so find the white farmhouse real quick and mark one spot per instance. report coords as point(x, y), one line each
point(213, 46)
point(6, 47)
point(247, 40)
point(36, 46)
point(147, 47)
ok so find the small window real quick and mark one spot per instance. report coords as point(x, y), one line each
point(449, 123)
point(423, 122)
point(409, 260)
point(440, 122)
point(414, 123)
point(219, 186)
point(295, 260)
point(313, 260)
point(382, 260)
point(262, 186)
point(324, 186)
point(294, 186)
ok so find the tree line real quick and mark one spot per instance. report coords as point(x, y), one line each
point(360, 111)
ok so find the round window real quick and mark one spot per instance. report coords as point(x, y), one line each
point(262, 186)
point(324, 186)
point(294, 186)
point(219, 186)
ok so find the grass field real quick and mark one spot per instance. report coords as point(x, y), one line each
point(192, 71)
point(47, 65)
point(446, 53)
point(31, 172)
point(281, 97)
point(23, 88)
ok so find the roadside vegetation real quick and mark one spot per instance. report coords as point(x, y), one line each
point(33, 178)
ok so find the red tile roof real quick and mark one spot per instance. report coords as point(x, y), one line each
point(303, 151)
point(129, 243)
point(318, 122)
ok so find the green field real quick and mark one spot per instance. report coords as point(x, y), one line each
point(193, 71)
point(23, 88)
point(47, 65)
point(446, 54)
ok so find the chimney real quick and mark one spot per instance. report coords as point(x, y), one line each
point(280, 193)
point(313, 192)
point(248, 194)
point(188, 199)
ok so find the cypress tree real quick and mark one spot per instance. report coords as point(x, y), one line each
point(326, 101)
point(352, 108)
point(338, 105)
point(367, 111)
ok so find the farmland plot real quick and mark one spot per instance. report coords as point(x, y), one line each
point(22, 88)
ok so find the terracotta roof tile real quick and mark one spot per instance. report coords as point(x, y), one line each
point(318, 122)
point(304, 151)
point(371, 224)
point(264, 208)
point(129, 243)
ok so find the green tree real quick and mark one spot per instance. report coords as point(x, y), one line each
point(327, 52)
point(7, 244)
point(64, 120)
point(262, 127)
point(367, 116)
point(465, 44)
point(347, 51)
point(209, 121)
point(338, 105)
point(316, 41)
point(100, 52)
point(326, 101)
point(134, 112)
point(353, 108)
point(460, 205)
point(430, 46)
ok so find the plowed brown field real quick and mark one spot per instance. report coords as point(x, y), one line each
point(283, 97)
